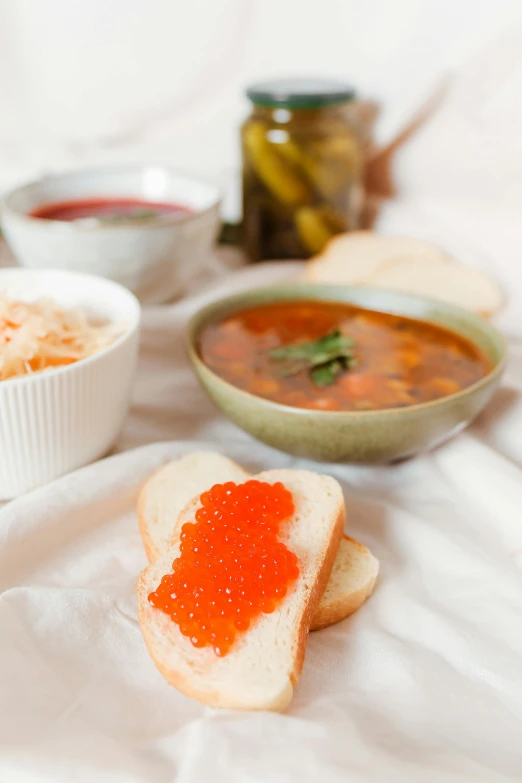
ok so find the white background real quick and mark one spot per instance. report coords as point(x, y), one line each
point(90, 80)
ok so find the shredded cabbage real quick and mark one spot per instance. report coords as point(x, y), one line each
point(36, 336)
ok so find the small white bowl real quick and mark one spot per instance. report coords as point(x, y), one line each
point(154, 258)
point(57, 420)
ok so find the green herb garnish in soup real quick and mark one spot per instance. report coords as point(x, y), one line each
point(333, 356)
point(324, 359)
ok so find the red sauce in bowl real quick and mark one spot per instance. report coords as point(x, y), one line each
point(108, 210)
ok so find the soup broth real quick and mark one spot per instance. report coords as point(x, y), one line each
point(337, 357)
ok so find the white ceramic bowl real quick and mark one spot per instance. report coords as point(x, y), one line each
point(58, 420)
point(156, 259)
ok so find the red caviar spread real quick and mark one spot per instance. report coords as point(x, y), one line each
point(232, 566)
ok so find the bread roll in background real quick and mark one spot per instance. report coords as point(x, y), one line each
point(404, 264)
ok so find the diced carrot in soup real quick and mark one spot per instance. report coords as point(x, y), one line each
point(360, 385)
point(324, 404)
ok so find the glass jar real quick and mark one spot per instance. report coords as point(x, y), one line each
point(302, 168)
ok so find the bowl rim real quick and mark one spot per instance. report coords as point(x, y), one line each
point(70, 226)
point(198, 321)
point(126, 334)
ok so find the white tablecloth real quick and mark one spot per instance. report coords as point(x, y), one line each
point(424, 683)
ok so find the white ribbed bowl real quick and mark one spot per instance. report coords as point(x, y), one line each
point(58, 420)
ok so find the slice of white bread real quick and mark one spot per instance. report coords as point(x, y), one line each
point(351, 582)
point(351, 258)
point(169, 490)
point(453, 283)
point(265, 662)
point(403, 264)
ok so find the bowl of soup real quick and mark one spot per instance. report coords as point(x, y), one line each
point(149, 228)
point(345, 374)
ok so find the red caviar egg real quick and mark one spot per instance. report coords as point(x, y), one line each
point(232, 567)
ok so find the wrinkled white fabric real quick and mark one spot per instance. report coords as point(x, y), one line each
point(424, 683)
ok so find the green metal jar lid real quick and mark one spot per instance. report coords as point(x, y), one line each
point(299, 93)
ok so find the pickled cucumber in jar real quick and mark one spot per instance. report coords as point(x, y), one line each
point(302, 168)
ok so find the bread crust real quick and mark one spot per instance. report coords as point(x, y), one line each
point(329, 612)
point(316, 592)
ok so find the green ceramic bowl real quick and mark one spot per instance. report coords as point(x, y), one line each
point(360, 436)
